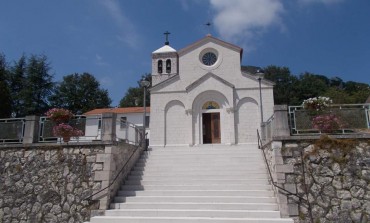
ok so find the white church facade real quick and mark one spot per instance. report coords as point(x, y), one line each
point(200, 95)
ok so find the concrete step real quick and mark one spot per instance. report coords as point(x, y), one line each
point(211, 183)
point(196, 199)
point(183, 172)
point(198, 177)
point(205, 161)
point(198, 187)
point(197, 206)
point(171, 172)
point(197, 168)
point(120, 219)
point(207, 148)
point(196, 182)
point(200, 166)
point(233, 153)
point(193, 213)
point(200, 193)
point(202, 154)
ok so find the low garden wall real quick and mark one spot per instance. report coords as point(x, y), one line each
point(332, 177)
point(50, 183)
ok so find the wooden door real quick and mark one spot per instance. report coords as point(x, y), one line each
point(215, 127)
point(211, 128)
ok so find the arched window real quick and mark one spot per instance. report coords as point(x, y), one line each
point(211, 105)
point(160, 66)
point(168, 66)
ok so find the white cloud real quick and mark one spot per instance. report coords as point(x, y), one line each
point(237, 20)
point(188, 4)
point(127, 30)
point(327, 2)
point(184, 5)
point(100, 61)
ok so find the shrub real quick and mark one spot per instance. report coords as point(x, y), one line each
point(317, 103)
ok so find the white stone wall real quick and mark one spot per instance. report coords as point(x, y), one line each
point(196, 84)
point(176, 131)
point(227, 67)
point(157, 122)
point(247, 121)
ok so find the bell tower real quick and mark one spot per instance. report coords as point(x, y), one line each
point(164, 62)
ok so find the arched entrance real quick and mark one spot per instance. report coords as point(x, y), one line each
point(211, 126)
point(210, 120)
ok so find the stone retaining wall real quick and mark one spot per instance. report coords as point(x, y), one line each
point(337, 178)
point(49, 183)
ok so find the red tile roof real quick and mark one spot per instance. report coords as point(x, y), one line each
point(99, 111)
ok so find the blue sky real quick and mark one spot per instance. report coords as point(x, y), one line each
point(113, 40)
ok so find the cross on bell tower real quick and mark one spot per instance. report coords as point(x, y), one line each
point(166, 34)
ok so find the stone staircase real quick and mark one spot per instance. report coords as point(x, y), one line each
point(218, 184)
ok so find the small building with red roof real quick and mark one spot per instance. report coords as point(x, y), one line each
point(128, 122)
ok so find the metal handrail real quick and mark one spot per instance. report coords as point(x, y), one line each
point(287, 193)
point(114, 180)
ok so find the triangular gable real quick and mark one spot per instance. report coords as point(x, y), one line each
point(204, 78)
point(165, 82)
point(212, 39)
point(264, 81)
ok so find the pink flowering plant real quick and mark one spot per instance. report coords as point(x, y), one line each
point(65, 130)
point(327, 123)
point(59, 115)
point(322, 117)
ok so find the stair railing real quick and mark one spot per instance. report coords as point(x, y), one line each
point(114, 180)
point(286, 192)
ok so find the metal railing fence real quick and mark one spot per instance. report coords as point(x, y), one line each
point(12, 130)
point(90, 126)
point(129, 132)
point(345, 119)
point(267, 129)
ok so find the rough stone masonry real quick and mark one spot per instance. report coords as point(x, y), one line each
point(49, 183)
point(336, 182)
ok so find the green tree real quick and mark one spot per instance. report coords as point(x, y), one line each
point(339, 96)
point(5, 98)
point(17, 86)
point(134, 95)
point(38, 86)
point(311, 85)
point(358, 91)
point(80, 93)
point(284, 90)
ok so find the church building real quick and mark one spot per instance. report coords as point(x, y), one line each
point(200, 95)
